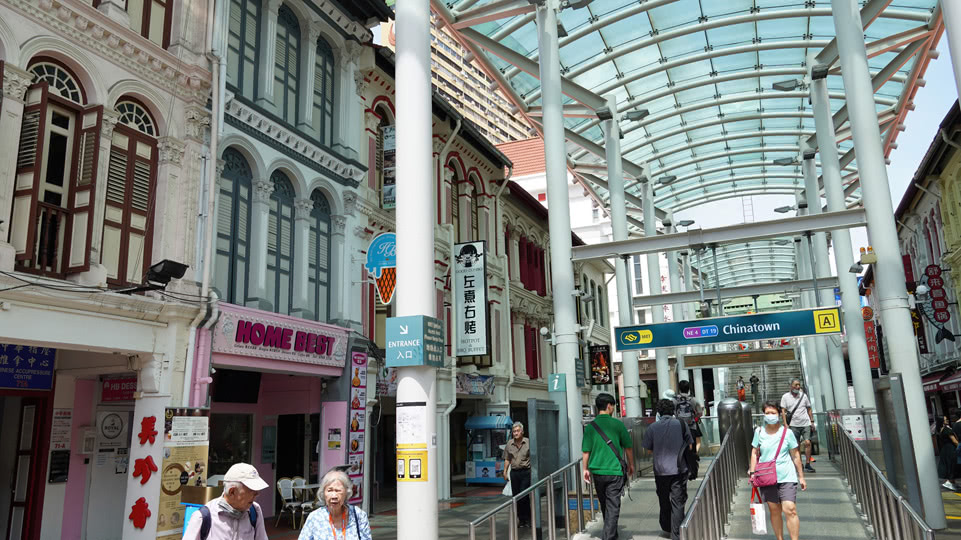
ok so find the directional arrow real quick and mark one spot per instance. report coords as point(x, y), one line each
point(403, 330)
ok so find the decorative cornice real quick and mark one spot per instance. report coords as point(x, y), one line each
point(83, 24)
point(263, 189)
point(360, 84)
point(220, 167)
point(350, 203)
point(372, 120)
point(171, 150)
point(15, 82)
point(339, 224)
point(438, 145)
point(302, 208)
point(197, 120)
point(249, 119)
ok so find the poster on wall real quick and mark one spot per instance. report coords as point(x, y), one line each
point(600, 364)
point(470, 299)
point(112, 429)
point(387, 382)
point(356, 423)
point(390, 167)
point(186, 440)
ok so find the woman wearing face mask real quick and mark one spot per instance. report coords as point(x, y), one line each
point(782, 496)
point(337, 520)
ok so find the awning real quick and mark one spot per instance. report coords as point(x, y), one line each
point(949, 384)
point(931, 381)
point(489, 422)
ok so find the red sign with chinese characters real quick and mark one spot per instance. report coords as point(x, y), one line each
point(937, 293)
point(871, 336)
point(942, 316)
point(932, 270)
point(118, 389)
point(935, 283)
point(940, 304)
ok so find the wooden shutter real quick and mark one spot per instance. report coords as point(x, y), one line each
point(83, 190)
point(23, 226)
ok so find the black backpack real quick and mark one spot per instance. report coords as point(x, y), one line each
point(684, 410)
point(205, 517)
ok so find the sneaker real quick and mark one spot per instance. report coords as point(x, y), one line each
point(809, 468)
point(948, 485)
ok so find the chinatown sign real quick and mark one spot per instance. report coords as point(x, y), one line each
point(257, 334)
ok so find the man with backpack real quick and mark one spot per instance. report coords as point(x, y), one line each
point(234, 515)
point(669, 438)
point(607, 458)
point(688, 410)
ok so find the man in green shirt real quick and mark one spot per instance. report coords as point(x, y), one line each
point(602, 461)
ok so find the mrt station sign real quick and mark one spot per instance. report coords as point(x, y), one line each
point(733, 329)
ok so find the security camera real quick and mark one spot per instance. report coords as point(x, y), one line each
point(921, 290)
point(544, 331)
point(856, 268)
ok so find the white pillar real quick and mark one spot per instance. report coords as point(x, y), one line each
point(303, 304)
point(625, 312)
point(843, 253)
point(825, 294)
point(341, 288)
point(674, 273)
point(268, 50)
point(654, 280)
point(689, 315)
point(416, 501)
point(308, 67)
point(15, 84)
point(888, 271)
point(810, 365)
point(257, 271)
point(951, 12)
point(559, 218)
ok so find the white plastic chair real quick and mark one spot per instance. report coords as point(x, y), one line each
point(285, 486)
point(310, 506)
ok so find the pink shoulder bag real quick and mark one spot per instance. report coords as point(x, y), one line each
point(765, 473)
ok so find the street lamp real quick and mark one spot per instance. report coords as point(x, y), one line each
point(636, 115)
point(786, 86)
point(785, 161)
point(784, 209)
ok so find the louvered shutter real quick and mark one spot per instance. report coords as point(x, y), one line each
point(23, 226)
point(83, 190)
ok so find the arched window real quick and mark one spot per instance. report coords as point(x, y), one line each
point(61, 82)
point(242, 38)
point(131, 179)
point(454, 199)
point(280, 244)
point(233, 228)
point(324, 93)
point(287, 64)
point(474, 210)
point(319, 254)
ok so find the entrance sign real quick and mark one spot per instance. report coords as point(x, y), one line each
point(415, 340)
point(470, 299)
point(737, 328)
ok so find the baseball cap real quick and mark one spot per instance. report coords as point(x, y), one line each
point(247, 475)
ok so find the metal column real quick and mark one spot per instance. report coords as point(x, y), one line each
point(690, 314)
point(559, 217)
point(654, 280)
point(843, 252)
point(416, 501)
point(888, 271)
point(825, 296)
point(625, 311)
point(951, 12)
point(676, 309)
point(815, 352)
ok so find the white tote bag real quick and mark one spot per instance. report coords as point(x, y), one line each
point(507, 487)
point(758, 514)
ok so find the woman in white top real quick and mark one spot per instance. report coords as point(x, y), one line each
point(782, 496)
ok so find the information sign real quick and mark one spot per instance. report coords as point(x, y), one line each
point(26, 368)
point(416, 340)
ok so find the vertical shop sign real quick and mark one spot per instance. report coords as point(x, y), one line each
point(470, 299)
point(871, 337)
point(388, 133)
point(186, 439)
point(60, 445)
point(357, 422)
point(600, 364)
point(919, 333)
point(910, 283)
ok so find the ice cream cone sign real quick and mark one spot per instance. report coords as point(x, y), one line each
point(382, 264)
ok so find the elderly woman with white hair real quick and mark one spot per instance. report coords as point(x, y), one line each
point(337, 520)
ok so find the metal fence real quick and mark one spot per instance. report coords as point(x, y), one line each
point(888, 512)
point(710, 510)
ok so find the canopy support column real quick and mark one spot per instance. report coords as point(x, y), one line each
point(654, 280)
point(689, 312)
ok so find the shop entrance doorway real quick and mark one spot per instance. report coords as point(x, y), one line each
point(291, 445)
point(24, 419)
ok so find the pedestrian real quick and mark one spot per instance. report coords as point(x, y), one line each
point(336, 520)
point(688, 409)
point(797, 414)
point(667, 439)
point(754, 388)
point(607, 458)
point(234, 515)
point(947, 448)
point(517, 460)
point(740, 388)
point(776, 443)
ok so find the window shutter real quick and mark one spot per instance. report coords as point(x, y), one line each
point(23, 226)
point(83, 191)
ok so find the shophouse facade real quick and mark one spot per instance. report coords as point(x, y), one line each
point(103, 116)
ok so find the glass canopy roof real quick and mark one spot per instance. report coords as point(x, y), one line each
point(703, 72)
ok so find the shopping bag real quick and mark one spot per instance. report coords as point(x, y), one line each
point(758, 515)
point(507, 487)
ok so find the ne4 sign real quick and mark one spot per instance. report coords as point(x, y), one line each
point(733, 329)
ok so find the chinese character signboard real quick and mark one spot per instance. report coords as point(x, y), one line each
point(874, 352)
point(600, 364)
point(470, 299)
point(357, 420)
point(26, 368)
point(389, 167)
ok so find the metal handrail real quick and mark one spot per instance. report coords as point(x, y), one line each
point(889, 513)
point(563, 474)
point(710, 509)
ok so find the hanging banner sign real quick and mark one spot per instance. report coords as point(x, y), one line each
point(389, 167)
point(382, 264)
point(357, 422)
point(470, 299)
point(600, 364)
point(871, 337)
point(919, 331)
point(475, 385)
point(733, 329)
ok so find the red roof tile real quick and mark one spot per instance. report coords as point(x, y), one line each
point(527, 155)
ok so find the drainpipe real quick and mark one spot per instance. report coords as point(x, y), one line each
point(507, 289)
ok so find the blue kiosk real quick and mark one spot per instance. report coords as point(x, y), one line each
point(486, 437)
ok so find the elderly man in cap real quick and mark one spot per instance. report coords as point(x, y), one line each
point(234, 515)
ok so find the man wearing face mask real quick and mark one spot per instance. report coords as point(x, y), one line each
point(796, 409)
point(234, 515)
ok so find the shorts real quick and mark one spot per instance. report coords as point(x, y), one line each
point(696, 431)
point(802, 433)
point(778, 493)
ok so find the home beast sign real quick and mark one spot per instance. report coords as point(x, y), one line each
point(278, 337)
